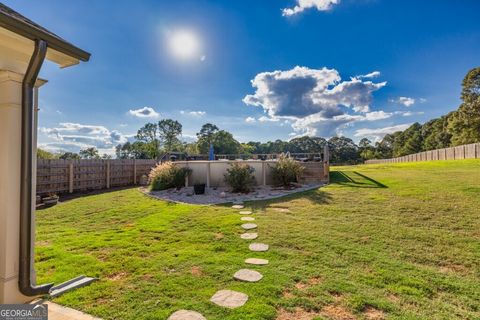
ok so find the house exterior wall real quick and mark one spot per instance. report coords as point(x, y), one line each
point(10, 158)
point(10, 140)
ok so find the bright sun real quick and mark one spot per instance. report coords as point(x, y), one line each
point(184, 44)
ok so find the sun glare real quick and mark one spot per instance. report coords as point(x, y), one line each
point(184, 45)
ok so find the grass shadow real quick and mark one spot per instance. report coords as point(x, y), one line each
point(354, 179)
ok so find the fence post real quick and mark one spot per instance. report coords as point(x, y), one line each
point(134, 171)
point(70, 177)
point(326, 163)
point(108, 174)
point(264, 174)
point(208, 174)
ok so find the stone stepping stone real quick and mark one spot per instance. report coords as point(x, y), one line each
point(246, 212)
point(186, 315)
point(229, 299)
point(248, 226)
point(249, 236)
point(238, 206)
point(258, 247)
point(247, 275)
point(257, 262)
point(247, 219)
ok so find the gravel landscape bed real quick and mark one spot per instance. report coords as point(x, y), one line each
point(221, 195)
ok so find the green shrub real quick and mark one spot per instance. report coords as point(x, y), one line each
point(167, 175)
point(240, 177)
point(286, 171)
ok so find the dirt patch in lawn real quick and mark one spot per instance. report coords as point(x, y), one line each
point(305, 285)
point(196, 271)
point(336, 312)
point(117, 276)
point(298, 314)
point(374, 314)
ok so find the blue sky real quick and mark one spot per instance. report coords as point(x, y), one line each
point(359, 68)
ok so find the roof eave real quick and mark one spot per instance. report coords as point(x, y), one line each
point(31, 33)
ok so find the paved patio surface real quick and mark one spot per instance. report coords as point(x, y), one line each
point(58, 312)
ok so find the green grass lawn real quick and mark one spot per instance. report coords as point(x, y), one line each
point(398, 241)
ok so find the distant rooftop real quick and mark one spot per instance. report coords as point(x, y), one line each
point(19, 24)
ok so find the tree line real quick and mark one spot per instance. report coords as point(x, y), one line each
point(456, 128)
point(156, 139)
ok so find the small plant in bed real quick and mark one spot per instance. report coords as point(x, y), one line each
point(240, 177)
point(167, 175)
point(286, 171)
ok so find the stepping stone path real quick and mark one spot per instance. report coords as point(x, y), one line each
point(248, 226)
point(258, 247)
point(186, 315)
point(247, 275)
point(255, 261)
point(229, 299)
point(249, 236)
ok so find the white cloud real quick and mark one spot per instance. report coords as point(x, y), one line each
point(370, 75)
point(377, 115)
point(250, 120)
point(406, 101)
point(302, 91)
point(193, 113)
point(145, 112)
point(409, 113)
point(75, 136)
point(302, 5)
point(379, 133)
point(314, 100)
point(268, 119)
point(188, 138)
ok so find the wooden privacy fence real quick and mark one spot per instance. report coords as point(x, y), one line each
point(67, 176)
point(468, 151)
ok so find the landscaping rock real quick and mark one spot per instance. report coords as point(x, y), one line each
point(259, 247)
point(229, 299)
point(247, 219)
point(245, 212)
point(247, 275)
point(248, 226)
point(238, 206)
point(186, 315)
point(249, 236)
point(255, 261)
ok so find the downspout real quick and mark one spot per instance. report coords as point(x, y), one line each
point(25, 272)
